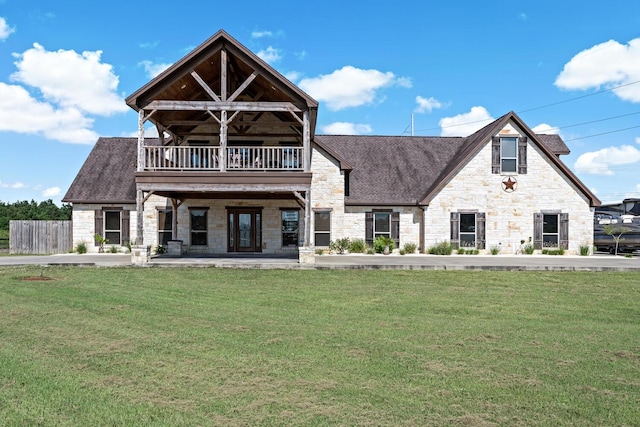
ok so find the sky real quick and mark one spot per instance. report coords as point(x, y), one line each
point(422, 67)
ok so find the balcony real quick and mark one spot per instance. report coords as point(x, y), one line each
point(211, 159)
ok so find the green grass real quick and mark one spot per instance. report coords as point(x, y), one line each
point(205, 346)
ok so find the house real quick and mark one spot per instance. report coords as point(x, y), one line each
point(237, 167)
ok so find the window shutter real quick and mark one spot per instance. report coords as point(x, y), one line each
point(125, 227)
point(98, 221)
point(495, 154)
point(368, 225)
point(455, 230)
point(480, 230)
point(522, 155)
point(564, 231)
point(537, 230)
point(395, 228)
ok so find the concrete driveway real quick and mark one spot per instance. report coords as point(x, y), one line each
point(597, 262)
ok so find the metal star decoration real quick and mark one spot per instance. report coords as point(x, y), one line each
point(509, 184)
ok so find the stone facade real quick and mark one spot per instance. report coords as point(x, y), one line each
point(509, 215)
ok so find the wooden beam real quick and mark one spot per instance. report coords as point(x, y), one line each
point(223, 105)
point(205, 86)
point(223, 74)
point(149, 194)
point(243, 86)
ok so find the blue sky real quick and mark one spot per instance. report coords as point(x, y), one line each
point(565, 67)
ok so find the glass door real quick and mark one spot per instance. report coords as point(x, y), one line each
point(244, 230)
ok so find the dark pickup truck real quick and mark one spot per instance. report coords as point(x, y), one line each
point(630, 239)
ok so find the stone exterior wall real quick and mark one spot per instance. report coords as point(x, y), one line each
point(83, 217)
point(509, 216)
point(327, 192)
point(217, 223)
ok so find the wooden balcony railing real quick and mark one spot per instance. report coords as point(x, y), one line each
point(235, 159)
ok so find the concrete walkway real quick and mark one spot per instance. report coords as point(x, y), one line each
point(598, 262)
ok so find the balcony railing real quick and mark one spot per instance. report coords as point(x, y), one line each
point(235, 159)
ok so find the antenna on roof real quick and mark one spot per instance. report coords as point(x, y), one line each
point(411, 124)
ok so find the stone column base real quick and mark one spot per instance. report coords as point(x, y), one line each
point(140, 255)
point(174, 247)
point(306, 255)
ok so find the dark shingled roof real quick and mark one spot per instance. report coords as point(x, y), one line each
point(390, 169)
point(107, 176)
point(383, 170)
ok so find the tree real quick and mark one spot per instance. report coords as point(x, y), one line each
point(616, 232)
point(46, 210)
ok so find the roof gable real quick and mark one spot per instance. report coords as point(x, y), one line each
point(199, 76)
point(475, 142)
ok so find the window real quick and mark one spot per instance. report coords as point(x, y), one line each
point(382, 223)
point(112, 230)
point(290, 227)
point(322, 221)
point(468, 230)
point(509, 155)
point(165, 226)
point(112, 223)
point(551, 230)
point(198, 226)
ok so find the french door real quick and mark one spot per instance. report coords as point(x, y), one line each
point(244, 227)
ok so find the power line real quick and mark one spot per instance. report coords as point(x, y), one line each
point(600, 134)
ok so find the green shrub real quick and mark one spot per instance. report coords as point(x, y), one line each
point(585, 250)
point(113, 250)
point(160, 249)
point(81, 247)
point(410, 248)
point(553, 251)
point(473, 251)
point(340, 245)
point(495, 249)
point(529, 249)
point(381, 242)
point(370, 250)
point(357, 246)
point(461, 251)
point(319, 251)
point(402, 252)
point(442, 248)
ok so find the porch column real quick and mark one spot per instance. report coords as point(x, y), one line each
point(174, 219)
point(223, 140)
point(306, 141)
point(307, 218)
point(139, 196)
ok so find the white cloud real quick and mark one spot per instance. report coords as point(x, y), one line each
point(259, 34)
point(5, 29)
point(607, 65)
point(426, 104)
point(71, 80)
point(16, 185)
point(153, 70)
point(547, 129)
point(600, 162)
point(465, 124)
point(51, 192)
point(346, 128)
point(20, 112)
point(270, 55)
point(349, 87)
point(293, 75)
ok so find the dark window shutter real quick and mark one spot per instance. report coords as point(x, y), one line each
point(368, 225)
point(395, 228)
point(537, 230)
point(495, 154)
point(564, 231)
point(125, 227)
point(481, 242)
point(98, 221)
point(522, 155)
point(455, 230)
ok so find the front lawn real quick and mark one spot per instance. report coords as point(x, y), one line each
point(206, 346)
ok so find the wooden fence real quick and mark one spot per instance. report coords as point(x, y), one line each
point(40, 237)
